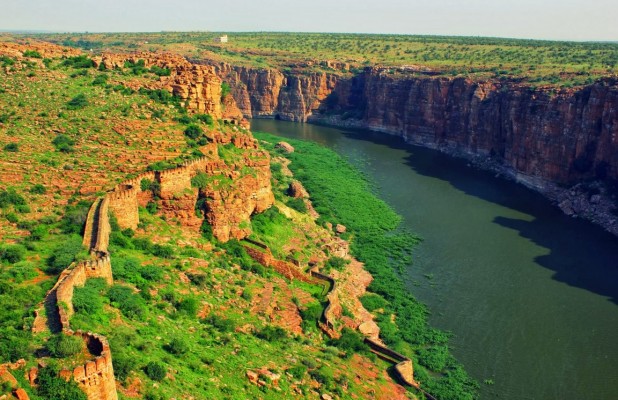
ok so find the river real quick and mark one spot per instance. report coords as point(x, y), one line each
point(530, 295)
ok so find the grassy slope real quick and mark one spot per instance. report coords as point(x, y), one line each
point(342, 195)
point(537, 62)
point(114, 135)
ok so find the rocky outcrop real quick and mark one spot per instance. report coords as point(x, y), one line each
point(271, 93)
point(198, 86)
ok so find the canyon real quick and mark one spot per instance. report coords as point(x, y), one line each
point(560, 142)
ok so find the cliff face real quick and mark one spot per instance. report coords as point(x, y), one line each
point(539, 137)
point(268, 92)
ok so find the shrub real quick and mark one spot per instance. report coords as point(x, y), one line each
point(11, 197)
point(160, 71)
point(151, 273)
point(100, 80)
point(12, 217)
point(38, 189)
point(125, 299)
point(155, 371)
point(373, 301)
point(123, 365)
point(74, 218)
point(435, 357)
point(78, 62)
point(51, 386)
point(337, 263)
point(225, 89)
point(12, 253)
point(350, 342)
point(160, 95)
point(62, 345)
point(177, 346)
point(87, 299)
point(200, 180)
point(12, 147)
point(297, 204)
point(188, 306)
point(193, 131)
point(78, 102)
point(222, 324)
point(64, 254)
point(163, 251)
point(272, 333)
point(205, 118)
point(63, 143)
point(32, 54)
point(126, 268)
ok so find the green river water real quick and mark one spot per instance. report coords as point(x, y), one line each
point(530, 295)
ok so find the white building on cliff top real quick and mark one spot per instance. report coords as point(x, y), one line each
point(221, 39)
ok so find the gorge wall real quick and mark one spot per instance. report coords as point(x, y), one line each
point(550, 140)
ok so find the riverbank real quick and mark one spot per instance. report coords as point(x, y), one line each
point(593, 200)
point(342, 195)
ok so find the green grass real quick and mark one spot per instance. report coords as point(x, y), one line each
point(341, 194)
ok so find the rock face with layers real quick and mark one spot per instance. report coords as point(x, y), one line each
point(271, 93)
point(544, 138)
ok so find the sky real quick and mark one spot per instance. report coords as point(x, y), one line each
point(534, 19)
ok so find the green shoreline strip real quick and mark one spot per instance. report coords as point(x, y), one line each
point(341, 194)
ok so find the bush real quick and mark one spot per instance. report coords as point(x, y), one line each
point(78, 62)
point(62, 345)
point(152, 273)
point(163, 251)
point(337, 263)
point(78, 102)
point(126, 268)
point(74, 218)
point(272, 333)
point(200, 180)
point(160, 95)
point(32, 54)
point(193, 131)
point(225, 89)
point(38, 189)
point(435, 357)
point(123, 365)
point(188, 306)
point(12, 147)
point(205, 118)
point(297, 204)
point(63, 143)
point(177, 346)
point(100, 80)
point(155, 371)
point(64, 254)
point(373, 302)
point(350, 342)
point(222, 324)
point(87, 299)
point(51, 386)
point(12, 253)
point(11, 197)
point(160, 71)
point(12, 217)
point(125, 299)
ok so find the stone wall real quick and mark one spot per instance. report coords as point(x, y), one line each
point(123, 204)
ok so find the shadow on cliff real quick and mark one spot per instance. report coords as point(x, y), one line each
point(580, 254)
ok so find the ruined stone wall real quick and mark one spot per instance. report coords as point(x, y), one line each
point(123, 204)
point(286, 269)
point(76, 275)
point(96, 376)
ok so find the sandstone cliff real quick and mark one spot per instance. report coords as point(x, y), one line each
point(547, 139)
